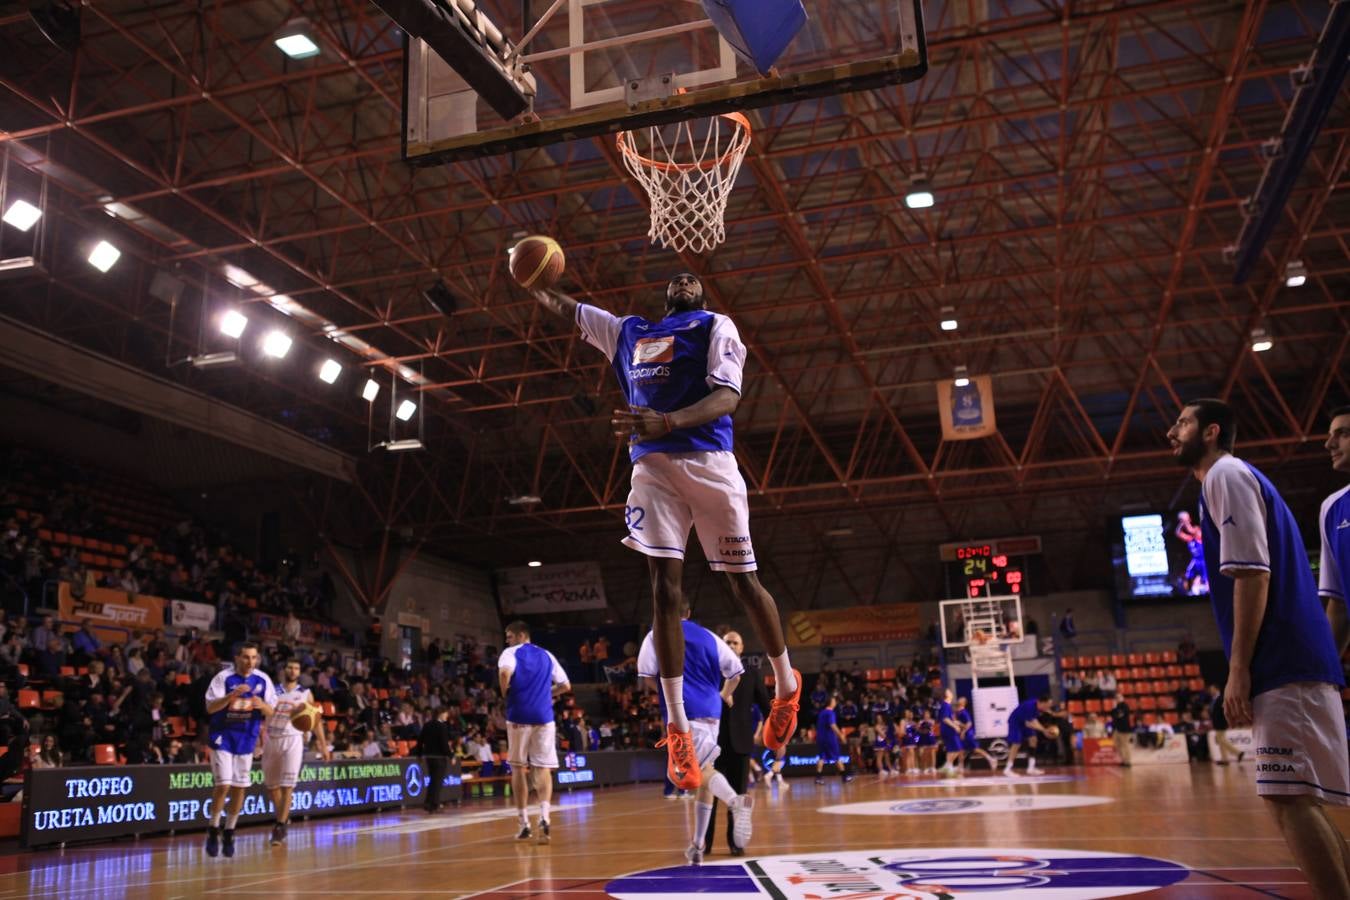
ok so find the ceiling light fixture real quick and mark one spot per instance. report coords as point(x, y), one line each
point(104, 256)
point(1261, 341)
point(962, 378)
point(329, 371)
point(1295, 274)
point(297, 45)
point(233, 323)
point(370, 391)
point(406, 410)
point(277, 344)
point(22, 215)
point(949, 322)
point(920, 194)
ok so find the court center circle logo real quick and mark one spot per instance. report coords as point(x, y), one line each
point(968, 805)
point(916, 874)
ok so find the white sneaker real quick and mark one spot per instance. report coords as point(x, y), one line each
point(694, 855)
point(1032, 770)
point(1011, 774)
point(740, 819)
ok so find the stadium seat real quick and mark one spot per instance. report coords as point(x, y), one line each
point(1157, 672)
point(1169, 656)
point(1174, 671)
point(887, 674)
point(1148, 702)
point(76, 541)
point(1118, 659)
point(105, 754)
point(329, 709)
point(872, 675)
point(1094, 706)
point(1172, 718)
point(1152, 659)
point(49, 699)
point(23, 669)
point(1101, 662)
point(1149, 718)
point(1079, 723)
point(182, 678)
point(30, 700)
point(67, 671)
point(1191, 670)
point(1196, 684)
point(1138, 673)
point(1076, 706)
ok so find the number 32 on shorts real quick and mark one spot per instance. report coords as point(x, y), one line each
point(633, 516)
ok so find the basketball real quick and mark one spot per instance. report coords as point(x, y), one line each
point(1052, 732)
point(537, 262)
point(305, 718)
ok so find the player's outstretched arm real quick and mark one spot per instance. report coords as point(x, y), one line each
point(646, 424)
point(556, 302)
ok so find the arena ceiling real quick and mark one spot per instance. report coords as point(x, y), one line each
point(1090, 160)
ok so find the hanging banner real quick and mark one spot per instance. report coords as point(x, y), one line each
point(110, 608)
point(528, 591)
point(885, 621)
point(186, 614)
point(967, 412)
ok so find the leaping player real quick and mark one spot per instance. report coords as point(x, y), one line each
point(1195, 579)
point(682, 376)
point(713, 670)
point(237, 701)
point(285, 748)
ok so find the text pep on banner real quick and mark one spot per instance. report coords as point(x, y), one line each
point(111, 609)
point(549, 589)
point(967, 412)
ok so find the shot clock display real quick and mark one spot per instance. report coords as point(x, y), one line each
point(994, 567)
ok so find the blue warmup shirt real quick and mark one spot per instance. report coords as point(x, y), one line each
point(707, 660)
point(668, 365)
point(968, 738)
point(1025, 712)
point(534, 672)
point(945, 713)
point(825, 735)
point(1334, 572)
point(1247, 526)
point(235, 728)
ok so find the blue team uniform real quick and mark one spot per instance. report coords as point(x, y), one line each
point(951, 740)
point(534, 671)
point(885, 738)
point(707, 660)
point(1334, 571)
point(911, 734)
point(1247, 526)
point(827, 742)
point(235, 728)
point(927, 733)
point(1025, 712)
point(666, 366)
point(968, 736)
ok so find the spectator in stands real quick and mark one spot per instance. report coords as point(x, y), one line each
point(12, 651)
point(1186, 650)
point(1073, 685)
point(135, 665)
point(42, 635)
point(50, 660)
point(1106, 682)
point(85, 643)
point(50, 755)
point(291, 631)
point(1067, 629)
point(370, 746)
point(1094, 727)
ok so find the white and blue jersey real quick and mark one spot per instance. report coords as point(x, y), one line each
point(1248, 527)
point(668, 365)
point(534, 672)
point(1334, 521)
point(707, 660)
point(235, 728)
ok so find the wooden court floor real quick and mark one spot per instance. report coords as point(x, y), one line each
point(1158, 832)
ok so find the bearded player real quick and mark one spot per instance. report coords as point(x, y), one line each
point(285, 748)
point(237, 701)
point(682, 376)
point(1334, 519)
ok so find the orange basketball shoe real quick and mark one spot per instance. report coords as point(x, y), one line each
point(782, 722)
point(681, 761)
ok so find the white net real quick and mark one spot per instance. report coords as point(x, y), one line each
point(688, 170)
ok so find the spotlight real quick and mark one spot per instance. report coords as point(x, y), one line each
point(1295, 274)
point(297, 45)
point(1261, 341)
point(277, 344)
point(396, 446)
point(962, 378)
point(22, 215)
point(370, 391)
point(104, 256)
point(406, 410)
point(949, 322)
point(233, 323)
point(329, 371)
point(524, 500)
point(920, 196)
point(211, 360)
point(534, 564)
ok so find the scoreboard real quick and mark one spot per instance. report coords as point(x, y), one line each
point(991, 567)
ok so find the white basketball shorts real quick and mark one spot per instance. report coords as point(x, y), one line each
point(231, 768)
point(1299, 733)
point(672, 491)
point(532, 745)
point(281, 761)
point(704, 732)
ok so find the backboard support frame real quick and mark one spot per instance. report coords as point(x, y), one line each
point(908, 63)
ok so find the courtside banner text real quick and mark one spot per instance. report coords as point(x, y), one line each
point(525, 591)
point(111, 608)
point(90, 803)
point(884, 621)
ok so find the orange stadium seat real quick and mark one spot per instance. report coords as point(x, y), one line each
point(1196, 684)
point(1169, 656)
point(44, 534)
point(67, 671)
point(1148, 702)
point(105, 754)
point(1101, 662)
point(49, 699)
point(1191, 670)
point(1117, 659)
point(1152, 659)
point(1076, 706)
point(76, 541)
point(1094, 706)
point(30, 700)
point(1068, 662)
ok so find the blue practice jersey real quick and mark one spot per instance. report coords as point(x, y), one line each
point(1025, 712)
point(707, 660)
point(534, 672)
point(963, 716)
point(945, 713)
point(825, 721)
point(668, 365)
point(235, 728)
point(1247, 526)
point(1334, 572)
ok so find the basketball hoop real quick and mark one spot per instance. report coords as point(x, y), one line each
point(688, 172)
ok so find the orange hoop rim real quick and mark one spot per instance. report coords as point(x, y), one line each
point(740, 144)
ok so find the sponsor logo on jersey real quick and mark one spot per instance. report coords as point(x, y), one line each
point(654, 350)
point(648, 373)
point(1345, 523)
point(1229, 521)
point(917, 874)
